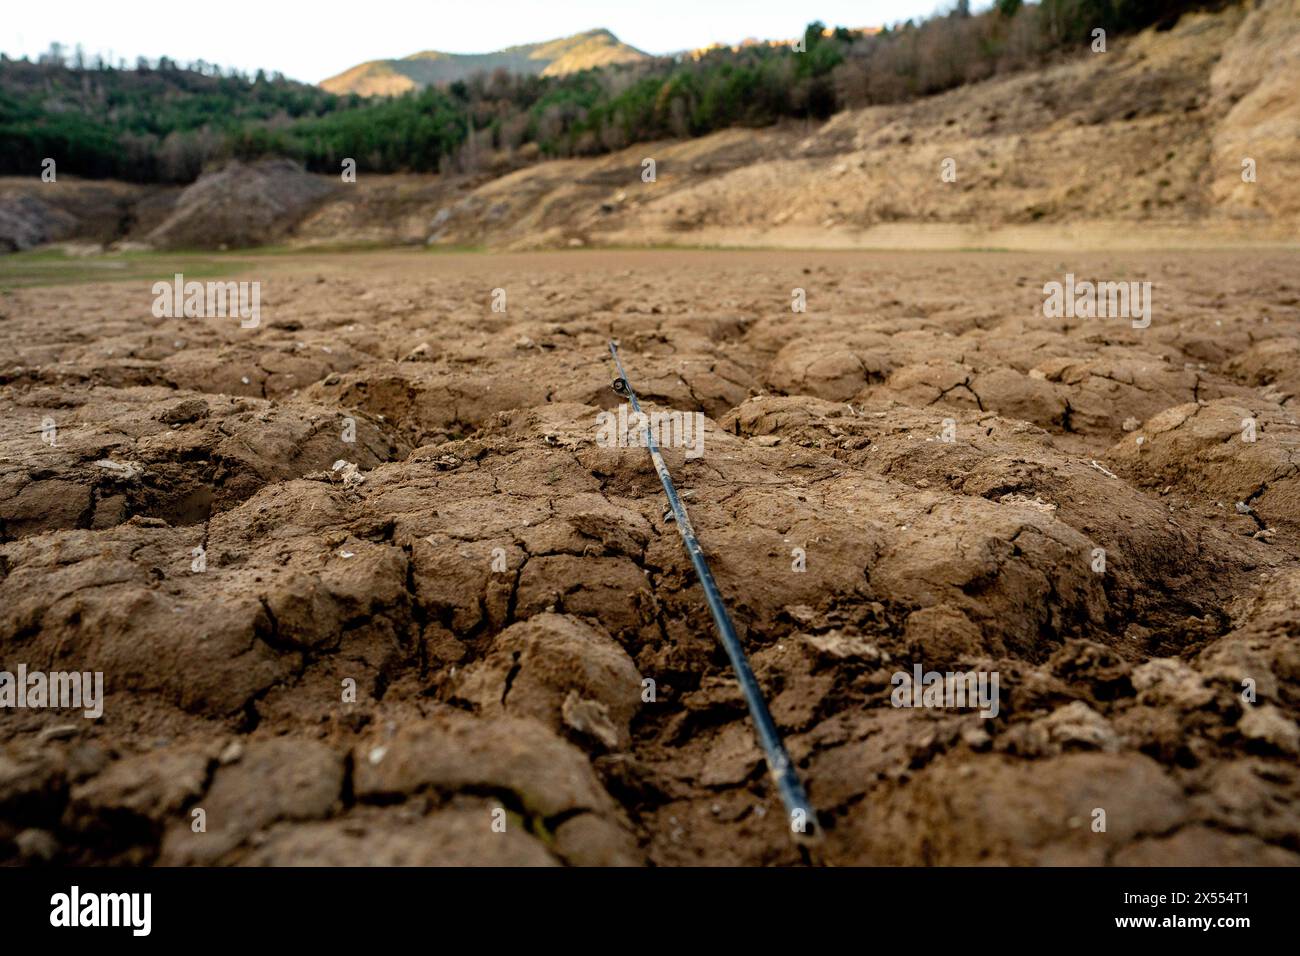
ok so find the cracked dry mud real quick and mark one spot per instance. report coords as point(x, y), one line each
point(521, 689)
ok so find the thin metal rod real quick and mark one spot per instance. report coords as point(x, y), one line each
point(802, 819)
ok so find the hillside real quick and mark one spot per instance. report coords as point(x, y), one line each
point(1142, 145)
point(583, 51)
point(1152, 134)
point(167, 123)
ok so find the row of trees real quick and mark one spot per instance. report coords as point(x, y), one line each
point(58, 55)
point(163, 123)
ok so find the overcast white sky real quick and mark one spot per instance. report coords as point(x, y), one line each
point(311, 41)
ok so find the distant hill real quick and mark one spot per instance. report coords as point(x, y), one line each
point(583, 51)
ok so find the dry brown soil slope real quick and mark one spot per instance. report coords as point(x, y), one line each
point(34, 213)
point(1141, 144)
point(499, 586)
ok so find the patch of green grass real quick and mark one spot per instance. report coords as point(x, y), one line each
point(441, 250)
point(42, 267)
point(327, 248)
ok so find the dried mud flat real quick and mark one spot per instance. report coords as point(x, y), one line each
point(521, 689)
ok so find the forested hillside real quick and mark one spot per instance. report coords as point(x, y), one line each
point(163, 122)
